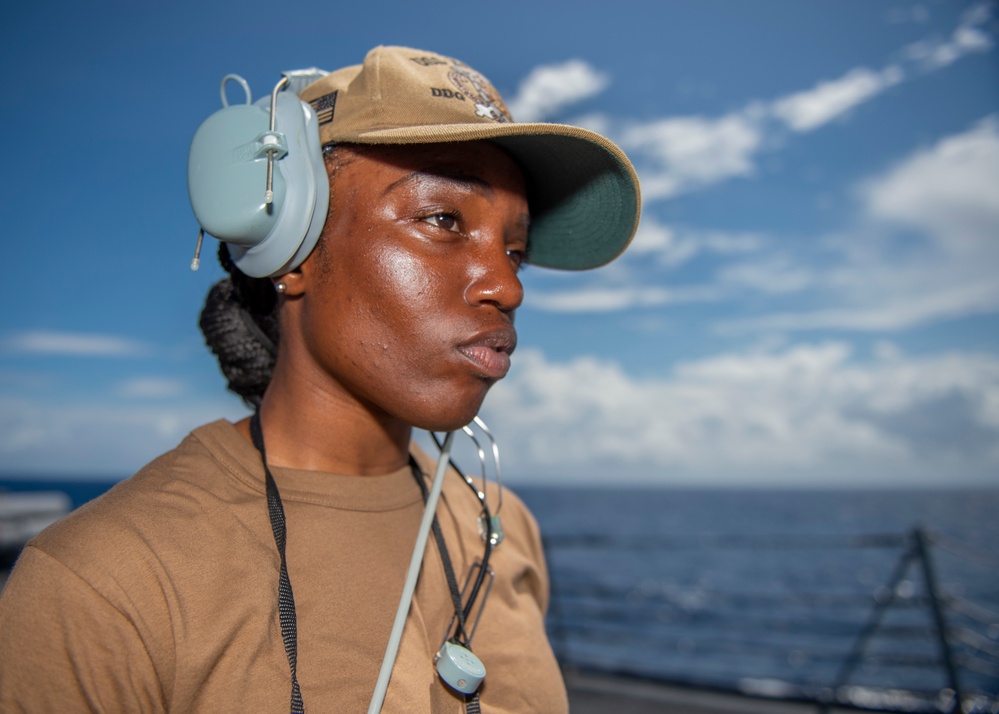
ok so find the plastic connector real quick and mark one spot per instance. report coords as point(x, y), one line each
point(460, 668)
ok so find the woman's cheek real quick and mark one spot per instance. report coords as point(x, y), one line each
point(403, 272)
point(416, 283)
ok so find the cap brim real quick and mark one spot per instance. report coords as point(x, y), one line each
point(583, 192)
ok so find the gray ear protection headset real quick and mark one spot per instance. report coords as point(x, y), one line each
point(257, 180)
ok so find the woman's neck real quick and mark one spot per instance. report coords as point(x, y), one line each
point(311, 425)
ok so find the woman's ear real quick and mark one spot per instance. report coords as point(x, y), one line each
point(290, 284)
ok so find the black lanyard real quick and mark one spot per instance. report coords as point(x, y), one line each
point(286, 598)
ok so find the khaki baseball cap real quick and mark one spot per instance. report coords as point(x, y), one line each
point(582, 190)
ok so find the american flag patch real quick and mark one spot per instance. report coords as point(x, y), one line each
point(324, 107)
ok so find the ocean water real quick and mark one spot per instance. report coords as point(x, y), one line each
point(766, 591)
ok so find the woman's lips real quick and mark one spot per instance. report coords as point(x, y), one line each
point(491, 363)
point(491, 351)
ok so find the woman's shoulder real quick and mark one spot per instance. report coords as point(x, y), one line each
point(168, 500)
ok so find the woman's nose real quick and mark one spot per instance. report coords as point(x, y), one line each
point(494, 280)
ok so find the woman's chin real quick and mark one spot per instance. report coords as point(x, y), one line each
point(451, 419)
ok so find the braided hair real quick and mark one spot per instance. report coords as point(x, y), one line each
point(240, 324)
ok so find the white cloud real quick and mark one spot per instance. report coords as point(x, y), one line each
point(917, 14)
point(808, 410)
point(776, 274)
point(677, 155)
point(151, 388)
point(681, 154)
point(933, 54)
point(950, 190)
point(727, 243)
point(654, 237)
point(77, 344)
point(978, 14)
point(803, 414)
point(550, 88)
point(685, 153)
point(673, 246)
point(617, 298)
point(810, 109)
point(907, 311)
point(595, 121)
point(971, 39)
point(106, 439)
point(923, 247)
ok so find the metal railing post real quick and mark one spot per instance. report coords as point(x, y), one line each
point(873, 622)
point(920, 542)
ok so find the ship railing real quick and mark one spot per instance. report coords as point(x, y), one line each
point(943, 636)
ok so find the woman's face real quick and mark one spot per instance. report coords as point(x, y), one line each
point(408, 300)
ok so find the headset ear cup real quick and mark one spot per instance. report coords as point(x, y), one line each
point(223, 168)
point(227, 168)
point(308, 170)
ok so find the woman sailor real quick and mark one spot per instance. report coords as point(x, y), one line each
point(258, 566)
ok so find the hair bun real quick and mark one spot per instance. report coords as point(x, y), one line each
point(241, 334)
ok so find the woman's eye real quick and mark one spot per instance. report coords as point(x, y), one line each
point(517, 257)
point(443, 220)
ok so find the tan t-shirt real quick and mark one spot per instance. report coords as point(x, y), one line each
point(161, 596)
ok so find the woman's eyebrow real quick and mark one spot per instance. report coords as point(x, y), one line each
point(467, 182)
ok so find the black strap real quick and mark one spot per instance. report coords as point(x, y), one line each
point(452, 581)
point(471, 700)
point(467, 611)
point(286, 599)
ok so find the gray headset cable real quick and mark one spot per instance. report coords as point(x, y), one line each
point(415, 563)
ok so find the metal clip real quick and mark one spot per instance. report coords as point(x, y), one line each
point(475, 614)
point(272, 142)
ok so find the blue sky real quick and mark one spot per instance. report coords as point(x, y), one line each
point(812, 298)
